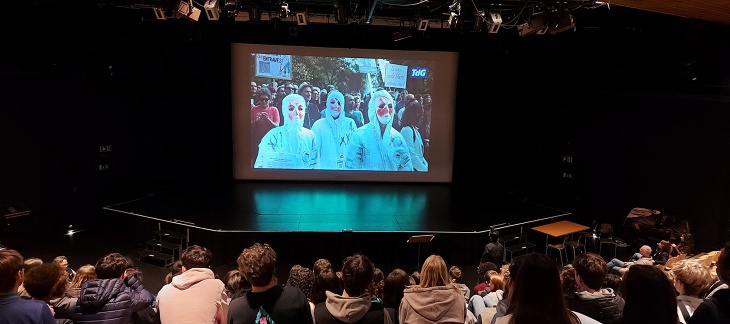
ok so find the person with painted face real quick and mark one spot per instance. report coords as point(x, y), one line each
point(376, 145)
point(290, 146)
point(333, 133)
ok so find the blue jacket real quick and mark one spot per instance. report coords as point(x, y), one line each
point(111, 301)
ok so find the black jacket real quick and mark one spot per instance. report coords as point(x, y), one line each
point(111, 301)
point(713, 310)
point(603, 309)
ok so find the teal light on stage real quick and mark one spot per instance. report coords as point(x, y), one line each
point(300, 208)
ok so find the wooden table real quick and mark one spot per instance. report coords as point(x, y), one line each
point(559, 229)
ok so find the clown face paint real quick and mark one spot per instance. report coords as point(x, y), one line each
point(335, 107)
point(385, 109)
point(296, 110)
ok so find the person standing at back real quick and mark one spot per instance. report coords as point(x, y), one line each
point(195, 296)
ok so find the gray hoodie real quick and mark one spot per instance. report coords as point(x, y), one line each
point(440, 304)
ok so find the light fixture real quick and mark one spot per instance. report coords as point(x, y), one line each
point(254, 12)
point(535, 25)
point(188, 10)
point(422, 25)
point(301, 18)
point(340, 14)
point(284, 13)
point(455, 19)
point(478, 21)
point(211, 10)
point(562, 23)
point(231, 8)
point(403, 33)
point(494, 21)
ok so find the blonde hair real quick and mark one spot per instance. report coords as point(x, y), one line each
point(435, 273)
point(86, 272)
point(693, 275)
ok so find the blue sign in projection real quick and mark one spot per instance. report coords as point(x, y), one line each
point(419, 73)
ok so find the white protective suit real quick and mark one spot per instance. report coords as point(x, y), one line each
point(371, 149)
point(333, 135)
point(290, 146)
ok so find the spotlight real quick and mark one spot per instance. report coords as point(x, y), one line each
point(301, 18)
point(494, 22)
point(478, 21)
point(188, 10)
point(564, 22)
point(231, 8)
point(455, 21)
point(211, 10)
point(284, 13)
point(422, 25)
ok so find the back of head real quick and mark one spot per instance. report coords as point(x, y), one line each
point(591, 268)
point(11, 262)
point(493, 236)
point(645, 250)
point(320, 265)
point(303, 278)
point(649, 296)
point(234, 282)
point(536, 296)
point(196, 256)
point(567, 279)
point(257, 264)
point(84, 273)
point(455, 274)
point(112, 265)
point(46, 281)
point(31, 262)
point(326, 280)
point(484, 267)
point(357, 274)
point(693, 275)
point(434, 272)
point(395, 283)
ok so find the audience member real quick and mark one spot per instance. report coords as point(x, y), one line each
point(267, 300)
point(320, 265)
point(483, 277)
point(112, 297)
point(590, 299)
point(436, 299)
point(662, 253)
point(691, 280)
point(235, 284)
point(13, 308)
point(377, 145)
point(48, 282)
point(326, 280)
point(612, 281)
point(86, 272)
point(416, 276)
point(376, 286)
point(333, 133)
point(642, 257)
point(567, 279)
point(62, 262)
point(195, 295)
point(536, 295)
point(455, 278)
point(355, 303)
point(716, 309)
point(175, 269)
point(685, 245)
point(302, 278)
point(27, 265)
point(289, 146)
point(393, 287)
point(649, 296)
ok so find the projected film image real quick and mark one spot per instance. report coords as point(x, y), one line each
point(340, 113)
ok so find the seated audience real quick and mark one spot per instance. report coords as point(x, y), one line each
point(86, 272)
point(355, 303)
point(195, 295)
point(326, 280)
point(112, 297)
point(662, 253)
point(685, 245)
point(235, 284)
point(48, 282)
point(27, 265)
point(455, 277)
point(62, 261)
point(483, 277)
point(691, 279)
point(716, 309)
point(302, 278)
point(393, 287)
point(13, 308)
point(619, 267)
point(649, 296)
point(320, 265)
point(590, 299)
point(267, 300)
point(536, 295)
point(376, 287)
point(567, 279)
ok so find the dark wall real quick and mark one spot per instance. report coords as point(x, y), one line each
point(641, 104)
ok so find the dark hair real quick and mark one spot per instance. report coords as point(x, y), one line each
point(357, 273)
point(112, 265)
point(484, 267)
point(45, 281)
point(567, 279)
point(196, 256)
point(612, 281)
point(649, 296)
point(413, 114)
point(263, 90)
point(257, 264)
point(537, 296)
point(395, 283)
point(723, 263)
point(591, 268)
point(302, 278)
point(326, 280)
point(320, 265)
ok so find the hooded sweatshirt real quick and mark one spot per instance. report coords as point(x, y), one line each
point(371, 149)
point(333, 135)
point(194, 296)
point(290, 146)
point(440, 304)
point(360, 309)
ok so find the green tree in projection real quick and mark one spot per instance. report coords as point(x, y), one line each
point(322, 71)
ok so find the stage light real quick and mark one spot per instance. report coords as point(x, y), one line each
point(254, 13)
point(188, 10)
point(422, 25)
point(231, 8)
point(535, 25)
point(211, 10)
point(402, 34)
point(301, 18)
point(340, 14)
point(561, 23)
point(455, 21)
point(478, 21)
point(284, 13)
point(494, 21)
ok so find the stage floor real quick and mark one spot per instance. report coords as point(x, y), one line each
point(335, 207)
